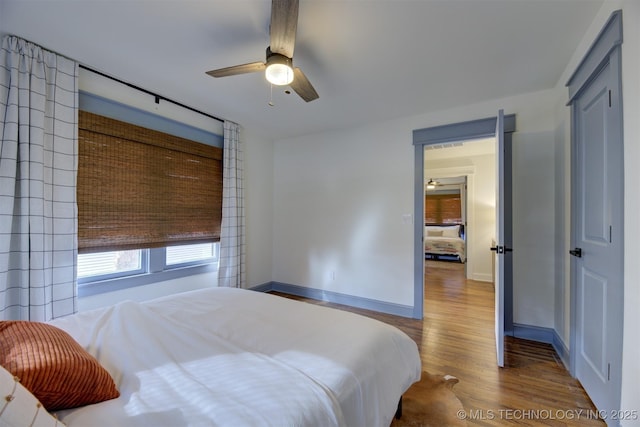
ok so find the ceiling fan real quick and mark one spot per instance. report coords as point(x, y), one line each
point(278, 66)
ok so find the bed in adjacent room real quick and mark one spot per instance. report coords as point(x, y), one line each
point(445, 240)
point(231, 357)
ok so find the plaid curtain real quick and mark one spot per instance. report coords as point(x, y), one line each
point(231, 270)
point(38, 167)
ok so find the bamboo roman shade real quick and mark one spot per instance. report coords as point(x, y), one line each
point(443, 209)
point(140, 188)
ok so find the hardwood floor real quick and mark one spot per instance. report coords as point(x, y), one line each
point(456, 338)
point(533, 388)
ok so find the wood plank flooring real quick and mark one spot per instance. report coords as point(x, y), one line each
point(456, 337)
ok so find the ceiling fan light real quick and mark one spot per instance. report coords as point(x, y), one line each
point(279, 69)
point(279, 74)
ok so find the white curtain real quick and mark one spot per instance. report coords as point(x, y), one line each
point(38, 167)
point(231, 271)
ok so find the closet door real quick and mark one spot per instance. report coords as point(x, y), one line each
point(598, 252)
point(597, 220)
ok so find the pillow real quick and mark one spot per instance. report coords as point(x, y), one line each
point(53, 366)
point(447, 230)
point(451, 231)
point(19, 408)
point(434, 233)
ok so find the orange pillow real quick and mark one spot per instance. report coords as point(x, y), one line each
point(53, 366)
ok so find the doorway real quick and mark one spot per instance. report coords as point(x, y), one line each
point(445, 220)
point(477, 129)
point(466, 168)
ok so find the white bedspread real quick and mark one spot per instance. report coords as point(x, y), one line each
point(445, 246)
point(230, 357)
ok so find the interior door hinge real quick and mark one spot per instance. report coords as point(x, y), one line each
point(608, 371)
point(609, 98)
point(610, 233)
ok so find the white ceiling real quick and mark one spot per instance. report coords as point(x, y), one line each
point(370, 60)
point(448, 184)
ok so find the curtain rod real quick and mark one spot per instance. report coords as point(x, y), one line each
point(155, 95)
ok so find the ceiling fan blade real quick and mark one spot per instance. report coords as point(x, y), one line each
point(284, 22)
point(302, 86)
point(238, 69)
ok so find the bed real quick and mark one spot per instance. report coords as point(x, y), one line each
point(232, 357)
point(444, 239)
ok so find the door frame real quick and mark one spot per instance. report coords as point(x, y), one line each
point(606, 49)
point(474, 129)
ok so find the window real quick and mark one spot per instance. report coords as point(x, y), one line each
point(443, 209)
point(105, 271)
point(179, 256)
point(109, 265)
point(149, 205)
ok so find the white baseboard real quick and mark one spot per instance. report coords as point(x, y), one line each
point(480, 277)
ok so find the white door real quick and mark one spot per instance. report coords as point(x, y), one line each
point(598, 238)
point(499, 239)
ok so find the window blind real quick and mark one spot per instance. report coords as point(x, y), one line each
point(140, 188)
point(443, 209)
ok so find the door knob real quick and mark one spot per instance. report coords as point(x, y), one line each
point(577, 252)
point(501, 249)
